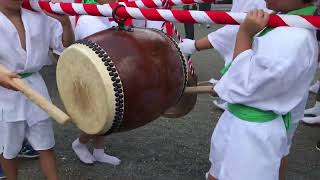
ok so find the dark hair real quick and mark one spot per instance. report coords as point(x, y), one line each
point(318, 7)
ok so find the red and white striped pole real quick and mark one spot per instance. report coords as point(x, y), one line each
point(183, 16)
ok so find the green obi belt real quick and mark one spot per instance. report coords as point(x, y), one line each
point(24, 75)
point(252, 114)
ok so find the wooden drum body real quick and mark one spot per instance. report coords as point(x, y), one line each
point(116, 80)
point(186, 102)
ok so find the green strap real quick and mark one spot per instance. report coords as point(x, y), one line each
point(252, 114)
point(225, 69)
point(287, 119)
point(89, 2)
point(24, 75)
point(309, 10)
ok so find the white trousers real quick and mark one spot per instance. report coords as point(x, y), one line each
point(242, 150)
point(12, 134)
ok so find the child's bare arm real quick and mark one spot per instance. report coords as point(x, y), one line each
point(68, 34)
point(203, 43)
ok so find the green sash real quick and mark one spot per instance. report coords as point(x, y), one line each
point(252, 114)
point(24, 75)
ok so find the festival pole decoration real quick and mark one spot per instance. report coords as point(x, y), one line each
point(182, 16)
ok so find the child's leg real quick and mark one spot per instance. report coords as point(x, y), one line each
point(85, 138)
point(100, 155)
point(11, 139)
point(99, 142)
point(81, 150)
point(211, 177)
point(9, 167)
point(283, 168)
point(48, 164)
point(41, 138)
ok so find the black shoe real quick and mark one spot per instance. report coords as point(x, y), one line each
point(28, 152)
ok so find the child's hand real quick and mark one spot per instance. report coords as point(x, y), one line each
point(6, 80)
point(255, 22)
point(63, 19)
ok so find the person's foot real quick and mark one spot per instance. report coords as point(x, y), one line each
point(82, 152)
point(314, 111)
point(28, 152)
point(2, 176)
point(315, 87)
point(208, 26)
point(221, 104)
point(311, 120)
point(102, 157)
point(318, 146)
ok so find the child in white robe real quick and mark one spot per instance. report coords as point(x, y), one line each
point(26, 39)
point(260, 87)
point(223, 40)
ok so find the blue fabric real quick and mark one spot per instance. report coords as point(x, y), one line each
point(2, 176)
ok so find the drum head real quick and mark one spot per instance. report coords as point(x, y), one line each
point(86, 89)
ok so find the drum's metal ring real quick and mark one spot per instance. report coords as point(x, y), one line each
point(118, 88)
point(182, 58)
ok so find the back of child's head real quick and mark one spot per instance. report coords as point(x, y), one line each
point(11, 5)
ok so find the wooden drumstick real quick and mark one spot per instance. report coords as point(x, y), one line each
point(199, 90)
point(38, 99)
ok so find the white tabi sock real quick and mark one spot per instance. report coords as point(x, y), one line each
point(315, 87)
point(311, 120)
point(82, 152)
point(315, 110)
point(100, 156)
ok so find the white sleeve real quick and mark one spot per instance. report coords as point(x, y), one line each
point(223, 40)
point(88, 25)
point(274, 81)
point(56, 36)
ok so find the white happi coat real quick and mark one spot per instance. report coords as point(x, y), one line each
point(88, 25)
point(42, 32)
point(223, 39)
point(273, 75)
